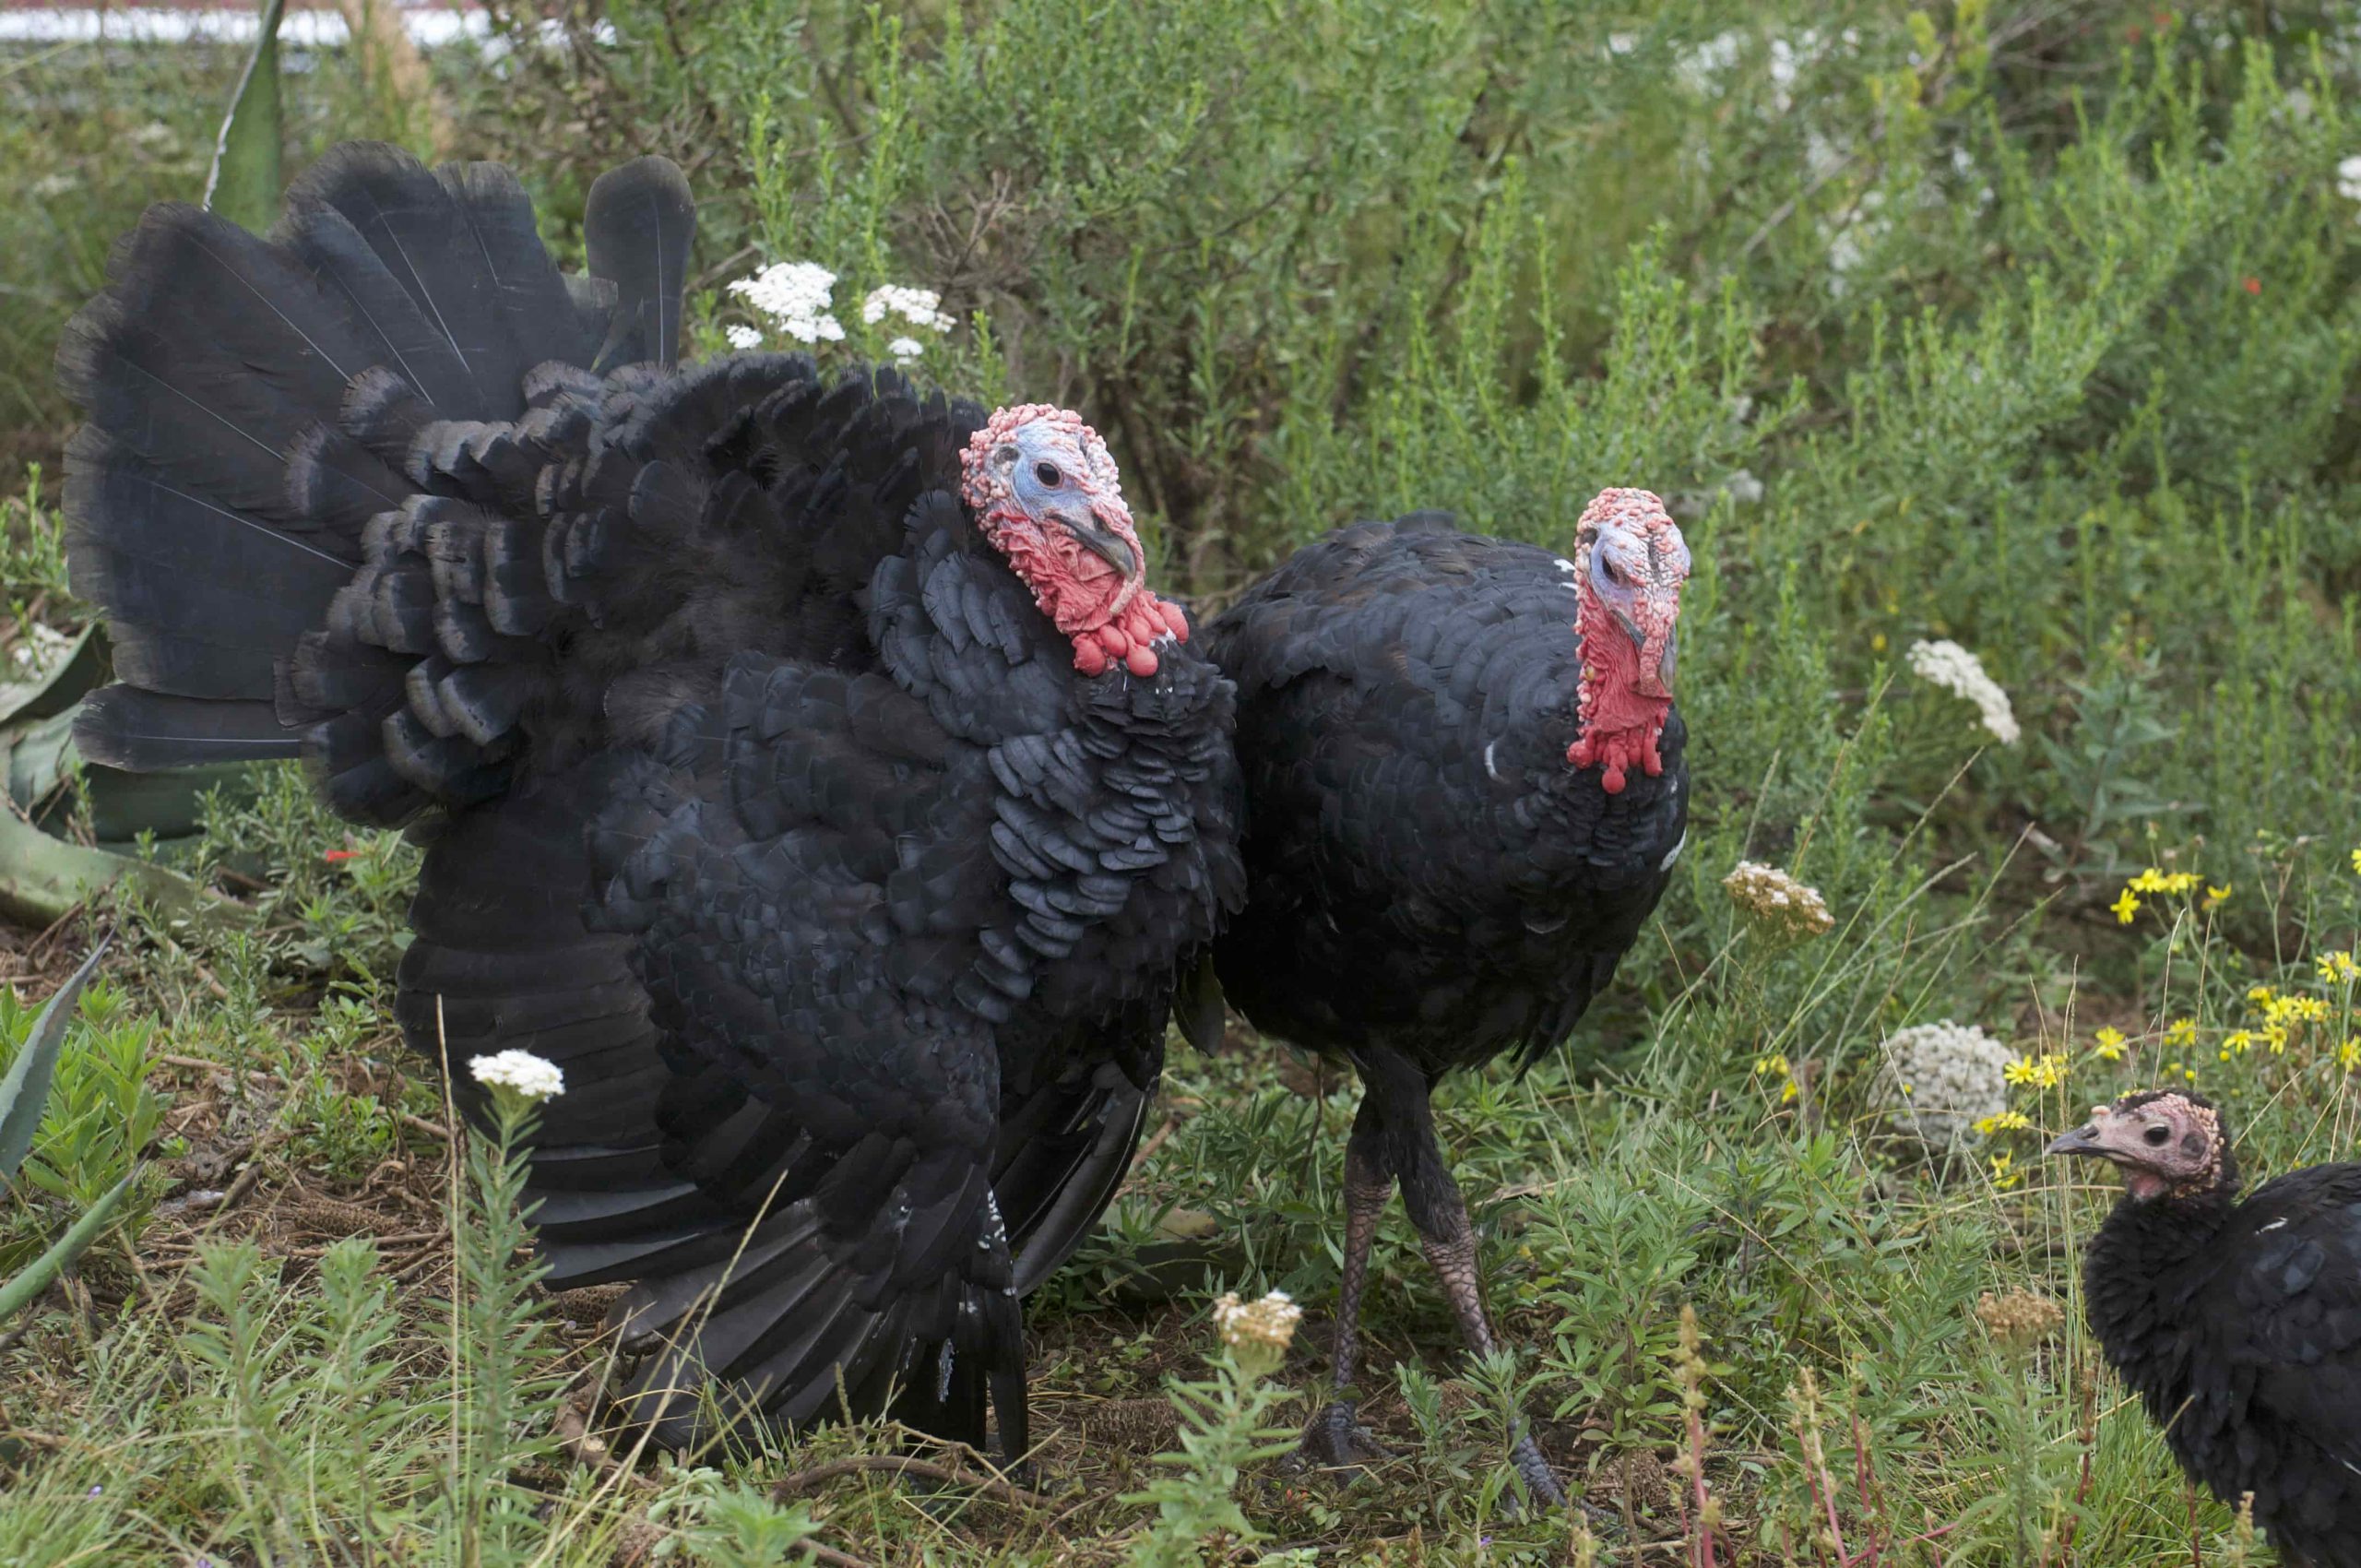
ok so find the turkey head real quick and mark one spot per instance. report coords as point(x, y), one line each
point(1044, 492)
point(2164, 1141)
point(1630, 562)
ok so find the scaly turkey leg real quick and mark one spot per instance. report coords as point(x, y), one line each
point(1336, 1437)
point(1441, 1216)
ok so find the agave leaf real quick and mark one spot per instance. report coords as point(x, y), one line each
point(243, 183)
point(21, 1291)
point(24, 1094)
point(62, 686)
point(41, 878)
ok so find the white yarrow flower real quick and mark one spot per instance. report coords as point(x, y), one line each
point(795, 294)
point(1776, 904)
point(920, 307)
point(743, 336)
point(1697, 67)
point(1934, 1082)
point(906, 348)
point(1951, 667)
point(535, 1077)
point(1269, 1322)
point(2348, 178)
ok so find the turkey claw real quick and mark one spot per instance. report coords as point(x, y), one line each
point(1337, 1440)
point(1540, 1481)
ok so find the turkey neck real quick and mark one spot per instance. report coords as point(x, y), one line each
point(2140, 1270)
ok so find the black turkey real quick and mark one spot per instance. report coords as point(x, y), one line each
point(806, 768)
point(2239, 1324)
point(1465, 795)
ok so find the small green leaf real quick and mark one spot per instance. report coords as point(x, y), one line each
point(24, 1094)
point(243, 184)
point(20, 1292)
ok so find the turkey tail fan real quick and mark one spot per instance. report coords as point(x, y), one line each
point(638, 226)
point(301, 453)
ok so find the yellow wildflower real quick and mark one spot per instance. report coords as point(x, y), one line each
point(2283, 1010)
point(2356, 860)
point(2149, 880)
point(2239, 1041)
point(2006, 1121)
point(1775, 1065)
point(2261, 995)
point(2336, 967)
point(2111, 1044)
point(2127, 904)
point(2180, 1032)
point(2216, 896)
point(2181, 882)
point(2348, 1055)
point(2277, 1039)
point(2005, 1173)
point(2045, 1072)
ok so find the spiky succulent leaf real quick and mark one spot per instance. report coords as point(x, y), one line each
point(24, 1094)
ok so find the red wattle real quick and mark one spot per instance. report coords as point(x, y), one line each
point(1141, 660)
point(1088, 657)
point(1114, 640)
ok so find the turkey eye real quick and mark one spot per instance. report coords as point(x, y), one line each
point(1614, 573)
point(1046, 472)
point(2158, 1135)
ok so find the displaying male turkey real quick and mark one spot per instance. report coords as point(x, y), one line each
point(808, 770)
point(1460, 810)
point(2239, 1324)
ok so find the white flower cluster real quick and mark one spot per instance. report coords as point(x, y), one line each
point(1934, 1082)
point(923, 308)
point(535, 1077)
point(1951, 667)
point(1777, 903)
point(794, 294)
point(1270, 1321)
point(2348, 177)
point(920, 307)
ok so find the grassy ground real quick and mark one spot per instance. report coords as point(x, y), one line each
point(2030, 328)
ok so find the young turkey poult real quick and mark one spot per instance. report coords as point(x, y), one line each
point(1465, 795)
point(2239, 1324)
point(808, 771)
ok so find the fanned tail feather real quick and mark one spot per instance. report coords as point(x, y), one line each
point(304, 497)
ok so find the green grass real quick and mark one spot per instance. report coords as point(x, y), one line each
point(2033, 328)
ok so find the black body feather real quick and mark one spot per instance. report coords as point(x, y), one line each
point(1428, 878)
point(2239, 1325)
point(853, 930)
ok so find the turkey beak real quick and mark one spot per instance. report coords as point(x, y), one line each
point(1105, 544)
point(2083, 1139)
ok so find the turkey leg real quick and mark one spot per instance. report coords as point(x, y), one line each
point(1336, 1437)
point(1439, 1212)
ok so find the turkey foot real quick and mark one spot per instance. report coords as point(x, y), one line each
point(1539, 1478)
point(1337, 1440)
